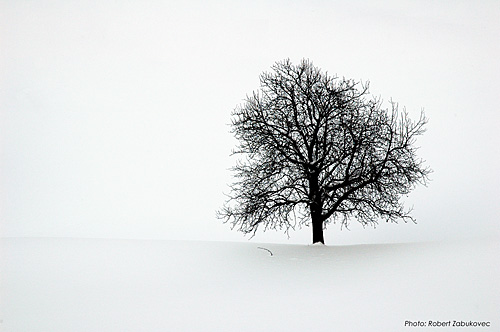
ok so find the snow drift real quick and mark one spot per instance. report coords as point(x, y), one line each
point(133, 285)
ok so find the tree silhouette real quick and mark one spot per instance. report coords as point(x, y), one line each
point(317, 149)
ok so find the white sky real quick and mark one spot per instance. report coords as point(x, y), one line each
point(114, 114)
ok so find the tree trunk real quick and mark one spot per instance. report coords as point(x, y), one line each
point(317, 227)
point(316, 208)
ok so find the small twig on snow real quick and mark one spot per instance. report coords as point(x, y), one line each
point(269, 251)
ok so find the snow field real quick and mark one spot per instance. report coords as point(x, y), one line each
point(135, 285)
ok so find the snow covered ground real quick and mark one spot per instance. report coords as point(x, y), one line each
point(132, 285)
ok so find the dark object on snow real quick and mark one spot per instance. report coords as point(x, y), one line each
point(269, 251)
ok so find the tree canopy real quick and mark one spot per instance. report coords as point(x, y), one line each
point(316, 148)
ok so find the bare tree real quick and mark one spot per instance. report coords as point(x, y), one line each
point(316, 149)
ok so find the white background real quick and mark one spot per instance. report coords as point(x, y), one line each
point(114, 115)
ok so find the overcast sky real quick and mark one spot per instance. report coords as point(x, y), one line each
point(114, 114)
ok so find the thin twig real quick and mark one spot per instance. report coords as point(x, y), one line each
point(269, 251)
